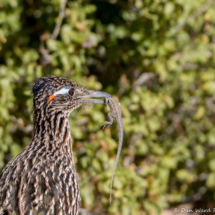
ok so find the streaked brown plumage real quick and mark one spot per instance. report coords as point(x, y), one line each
point(42, 178)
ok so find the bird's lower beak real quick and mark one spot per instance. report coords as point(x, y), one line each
point(93, 94)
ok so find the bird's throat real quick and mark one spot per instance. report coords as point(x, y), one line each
point(53, 132)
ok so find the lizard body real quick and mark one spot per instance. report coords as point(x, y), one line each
point(116, 114)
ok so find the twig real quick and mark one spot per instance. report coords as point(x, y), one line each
point(196, 13)
point(143, 79)
point(86, 212)
point(60, 19)
point(45, 56)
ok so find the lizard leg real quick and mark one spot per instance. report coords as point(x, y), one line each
point(106, 103)
point(110, 122)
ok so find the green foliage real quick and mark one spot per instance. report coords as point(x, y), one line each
point(157, 56)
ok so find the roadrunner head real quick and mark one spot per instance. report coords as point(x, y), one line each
point(52, 94)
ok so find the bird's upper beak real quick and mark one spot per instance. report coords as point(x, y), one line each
point(93, 94)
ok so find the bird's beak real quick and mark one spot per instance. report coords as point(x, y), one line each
point(93, 94)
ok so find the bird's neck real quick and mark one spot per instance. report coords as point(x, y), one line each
point(53, 131)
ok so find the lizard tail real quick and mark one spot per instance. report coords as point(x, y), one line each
point(114, 169)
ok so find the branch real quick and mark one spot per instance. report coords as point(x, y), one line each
point(144, 78)
point(45, 56)
point(60, 19)
point(196, 13)
point(86, 212)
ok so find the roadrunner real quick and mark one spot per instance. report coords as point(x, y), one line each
point(42, 178)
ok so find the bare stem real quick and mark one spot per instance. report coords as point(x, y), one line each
point(143, 79)
point(196, 13)
point(86, 212)
point(60, 19)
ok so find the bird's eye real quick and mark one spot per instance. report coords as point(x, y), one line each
point(71, 91)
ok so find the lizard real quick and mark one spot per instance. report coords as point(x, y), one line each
point(116, 114)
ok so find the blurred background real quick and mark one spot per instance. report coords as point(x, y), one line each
point(157, 58)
